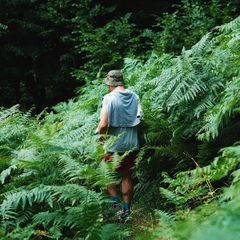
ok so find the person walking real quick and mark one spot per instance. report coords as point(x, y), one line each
point(120, 116)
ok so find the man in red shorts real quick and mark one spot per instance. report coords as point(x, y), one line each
point(120, 116)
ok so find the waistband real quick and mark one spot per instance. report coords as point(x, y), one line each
point(121, 153)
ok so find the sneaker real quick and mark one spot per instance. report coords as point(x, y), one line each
point(116, 206)
point(116, 209)
point(115, 213)
point(125, 215)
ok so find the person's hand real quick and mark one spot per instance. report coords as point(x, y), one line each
point(102, 140)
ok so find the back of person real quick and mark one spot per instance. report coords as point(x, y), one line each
point(123, 120)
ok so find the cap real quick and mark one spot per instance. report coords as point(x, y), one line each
point(114, 78)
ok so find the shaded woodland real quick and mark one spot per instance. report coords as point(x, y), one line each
point(181, 58)
point(49, 49)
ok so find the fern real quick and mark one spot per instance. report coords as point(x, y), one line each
point(189, 185)
point(112, 231)
point(230, 27)
point(165, 216)
point(53, 179)
point(5, 173)
point(80, 204)
point(23, 233)
point(15, 125)
point(218, 116)
point(5, 113)
point(199, 48)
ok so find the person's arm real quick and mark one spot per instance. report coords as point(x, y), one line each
point(103, 124)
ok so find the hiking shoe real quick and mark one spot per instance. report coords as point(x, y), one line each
point(115, 213)
point(116, 206)
point(117, 210)
point(125, 215)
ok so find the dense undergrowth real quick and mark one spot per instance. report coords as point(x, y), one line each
point(187, 174)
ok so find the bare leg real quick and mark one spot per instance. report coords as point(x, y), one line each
point(127, 186)
point(112, 190)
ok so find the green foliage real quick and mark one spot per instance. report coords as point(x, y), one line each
point(180, 92)
point(50, 48)
point(189, 22)
point(227, 106)
point(197, 95)
point(104, 47)
point(53, 180)
point(3, 28)
point(54, 183)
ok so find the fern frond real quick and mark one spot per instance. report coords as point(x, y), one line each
point(168, 217)
point(47, 217)
point(86, 129)
point(14, 126)
point(20, 198)
point(5, 113)
point(24, 216)
point(170, 196)
point(219, 115)
point(81, 209)
point(231, 26)
point(203, 105)
point(199, 48)
point(8, 217)
point(221, 167)
point(7, 172)
point(74, 193)
point(177, 85)
point(26, 232)
point(111, 231)
point(24, 118)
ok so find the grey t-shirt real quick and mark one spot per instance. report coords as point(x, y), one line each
point(123, 119)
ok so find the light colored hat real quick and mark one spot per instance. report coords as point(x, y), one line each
point(114, 78)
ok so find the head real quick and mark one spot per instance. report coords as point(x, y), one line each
point(114, 78)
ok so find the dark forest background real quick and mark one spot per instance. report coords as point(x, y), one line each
point(48, 49)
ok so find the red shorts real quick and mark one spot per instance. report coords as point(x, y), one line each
point(127, 163)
